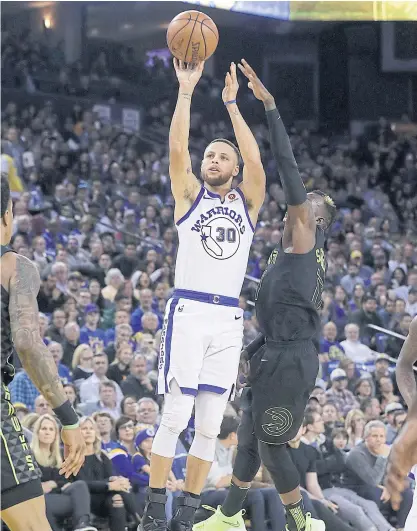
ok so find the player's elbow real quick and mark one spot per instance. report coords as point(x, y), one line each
point(23, 340)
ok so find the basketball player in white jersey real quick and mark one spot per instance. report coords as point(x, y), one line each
point(404, 450)
point(203, 329)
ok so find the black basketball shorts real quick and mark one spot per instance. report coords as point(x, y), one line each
point(20, 474)
point(282, 377)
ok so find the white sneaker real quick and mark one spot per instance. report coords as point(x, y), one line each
point(219, 522)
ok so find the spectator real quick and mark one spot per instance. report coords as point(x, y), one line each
point(56, 331)
point(70, 343)
point(366, 464)
point(62, 498)
point(56, 351)
point(138, 384)
point(353, 347)
point(148, 412)
point(89, 388)
point(82, 364)
point(107, 402)
point(367, 316)
point(129, 408)
point(338, 393)
point(355, 425)
point(390, 411)
point(114, 280)
point(371, 408)
point(119, 369)
point(42, 406)
point(91, 334)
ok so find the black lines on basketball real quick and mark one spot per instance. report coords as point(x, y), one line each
point(191, 36)
point(203, 23)
point(176, 33)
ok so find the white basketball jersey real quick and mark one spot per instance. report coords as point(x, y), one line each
point(214, 242)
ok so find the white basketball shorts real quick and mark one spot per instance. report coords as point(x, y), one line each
point(411, 523)
point(200, 343)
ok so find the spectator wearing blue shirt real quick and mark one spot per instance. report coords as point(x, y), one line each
point(23, 390)
point(90, 333)
point(105, 425)
point(120, 317)
point(145, 306)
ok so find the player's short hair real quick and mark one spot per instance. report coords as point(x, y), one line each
point(329, 206)
point(225, 141)
point(5, 194)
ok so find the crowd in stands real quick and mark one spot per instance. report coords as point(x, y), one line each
point(94, 211)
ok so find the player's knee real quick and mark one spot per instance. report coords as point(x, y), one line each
point(204, 445)
point(117, 501)
point(247, 464)
point(177, 412)
point(271, 454)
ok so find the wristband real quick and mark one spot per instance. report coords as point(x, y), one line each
point(229, 102)
point(67, 415)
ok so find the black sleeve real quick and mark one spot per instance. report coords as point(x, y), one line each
point(332, 464)
point(107, 466)
point(95, 486)
point(292, 184)
point(255, 345)
point(312, 455)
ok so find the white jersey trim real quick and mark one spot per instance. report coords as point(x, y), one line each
point(192, 207)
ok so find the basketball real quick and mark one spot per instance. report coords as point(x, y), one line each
point(192, 37)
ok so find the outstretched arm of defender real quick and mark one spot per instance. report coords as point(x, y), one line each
point(253, 185)
point(38, 361)
point(295, 193)
point(184, 183)
point(24, 317)
point(405, 371)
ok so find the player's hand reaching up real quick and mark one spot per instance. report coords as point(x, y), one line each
point(255, 84)
point(188, 74)
point(231, 85)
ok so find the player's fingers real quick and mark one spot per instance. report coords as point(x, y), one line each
point(250, 85)
point(201, 66)
point(242, 69)
point(233, 71)
point(248, 67)
point(175, 63)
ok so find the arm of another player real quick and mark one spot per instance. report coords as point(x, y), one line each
point(299, 209)
point(403, 453)
point(254, 180)
point(404, 371)
point(184, 183)
point(38, 361)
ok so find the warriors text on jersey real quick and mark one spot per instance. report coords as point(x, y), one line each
point(7, 369)
point(289, 294)
point(214, 242)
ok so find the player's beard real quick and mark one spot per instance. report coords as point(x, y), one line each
point(215, 180)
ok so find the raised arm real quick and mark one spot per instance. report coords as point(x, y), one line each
point(299, 209)
point(38, 361)
point(184, 183)
point(253, 185)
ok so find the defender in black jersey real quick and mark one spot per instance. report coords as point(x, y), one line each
point(22, 500)
point(284, 361)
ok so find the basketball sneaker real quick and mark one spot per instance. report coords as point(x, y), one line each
point(219, 522)
point(312, 524)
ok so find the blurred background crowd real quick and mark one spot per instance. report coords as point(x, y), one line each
point(93, 209)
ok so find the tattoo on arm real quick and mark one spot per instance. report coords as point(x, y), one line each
point(189, 170)
point(186, 96)
point(24, 318)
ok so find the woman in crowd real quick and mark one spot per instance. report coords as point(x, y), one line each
point(129, 408)
point(354, 425)
point(364, 388)
point(339, 310)
point(82, 364)
point(96, 297)
point(119, 368)
point(355, 302)
point(63, 499)
point(114, 280)
point(109, 493)
point(72, 396)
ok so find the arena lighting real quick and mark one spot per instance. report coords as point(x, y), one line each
point(47, 22)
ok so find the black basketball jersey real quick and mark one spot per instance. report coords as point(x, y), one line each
point(289, 294)
point(7, 349)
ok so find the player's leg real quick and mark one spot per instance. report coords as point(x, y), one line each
point(180, 361)
point(246, 466)
point(29, 515)
point(281, 384)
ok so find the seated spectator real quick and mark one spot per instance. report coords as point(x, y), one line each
point(121, 317)
point(42, 406)
point(123, 334)
point(82, 364)
point(331, 417)
point(90, 333)
point(145, 305)
point(338, 393)
point(70, 343)
point(390, 410)
point(89, 388)
point(350, 281)
point(56, 350)
point(386, 392)
point(148, 412)
point(364, 388)
point(138, 384)
point(119, 370)
point(56, 330)
point(110, 494)
point(105, 425)
point(358, 294)
point(366, 464)
point(355, 425)
point(330, 349)
point(305, 459)
point(129, 407)
point(371, 408)
point(106, 403)
point(72, 396)
point(367, 316)
point(353, 347)
point(362, 514)
point(23, 390)
point(114, 280)
point(314, 429)
point(352, 373)
point(62, 498)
